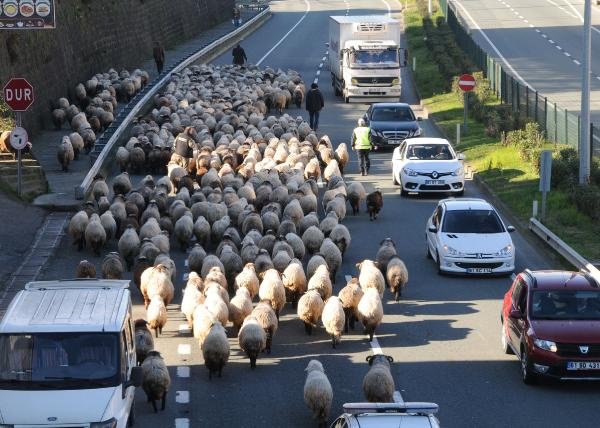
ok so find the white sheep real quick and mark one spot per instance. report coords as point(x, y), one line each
point(370, 311)
point(265, 315)
point(350, 296)
point(334, 319)
point(310, 308)
point(247, 278)
point(65, 153)
point(252, 339)
point(272, 289)
point(321, 281)
point(378, 383)
point(294, 281)
point(192, 297)
point(216, 305)
point(318, 394)
point(215, 349)
point(203, 320)
point(156, 314)
point(356, 194)
point(397, 276)
point(156, 281)
point(240, 307)
point(370, 276)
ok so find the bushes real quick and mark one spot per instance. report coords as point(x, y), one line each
point(587, 200)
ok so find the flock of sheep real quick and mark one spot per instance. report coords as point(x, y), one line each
point(246, 208)
point(93, 110)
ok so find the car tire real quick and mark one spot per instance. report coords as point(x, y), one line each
point(394, 180)
point(527, 375)
point(402, 191)
point(504, 340)
point(427, 247)
point(439, 263)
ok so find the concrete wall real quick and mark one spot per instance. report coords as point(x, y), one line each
point(95, 35)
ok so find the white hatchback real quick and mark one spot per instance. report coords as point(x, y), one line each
point(467, 236)
point(428, 165)
point(388, 415)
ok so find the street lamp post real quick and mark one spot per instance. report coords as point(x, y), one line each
point(584, 144)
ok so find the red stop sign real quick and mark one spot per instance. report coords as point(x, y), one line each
point(466, 82)
point(18, 94)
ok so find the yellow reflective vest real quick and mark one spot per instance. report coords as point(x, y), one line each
point(361, 138)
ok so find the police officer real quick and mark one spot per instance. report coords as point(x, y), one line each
point(184, 145)
point(361, 142)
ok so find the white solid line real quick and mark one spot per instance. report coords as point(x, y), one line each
point(576, 62)
point(182, 397)
point(318, 72)
point(375, 346)
point(183, 371)
point(286, 34)
point(182, 423)
point(508, 65)
point(184, 349)
point(398, 397)
point(388, 7)
point(184, 327)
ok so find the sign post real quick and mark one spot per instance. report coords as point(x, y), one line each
point(18, 95)
point(466, 83)
point(545, 178)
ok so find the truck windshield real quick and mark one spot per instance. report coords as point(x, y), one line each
point(374, 58)
point(59, 361)
point(566, 305)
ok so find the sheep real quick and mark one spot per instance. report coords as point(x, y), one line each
point(232, 262)
point(397, 276)
point(247, 278)
point(195, 258)
point(192, 296)
point(374, 204)
point(65, 153)
point(378, 383)
point(149, 229)
point(122, 184)
point(340, 235)
point(76, 143)
point(208, 263)
point(356, 193)
point(313, 263)
point(370, 276)
point(240, 307)
point(294, 281)
point(129, 246)
point(272, 289)
point(144, 342)
point(155, 281)
point(161, 241)
point(58, 118)
point(370, 311)
point(295, 242)
point(342, 156)
point(350, 296)
point(215, 274)
point(77, 227)
point(313, 238)
point(332, 255)
point(293, 211)
point(216, 305)
point(310, 308)
point(112, 267)
point(141, 264)
point(321, 282)
point(318, 394)
point(387, 249)
point(109, 224)
point(215, 350)
point(334, 319)
point(95, 235)
point(155, 379)
point(337, 205)
point(156, 314)
point(331, 170)
point(169, 264)
point(263, 262)
point(184, 230)
point(252, 339)
point(330, 221)
point(203, 320)
point(265, 315)
point(85, 270)
point(122, 158)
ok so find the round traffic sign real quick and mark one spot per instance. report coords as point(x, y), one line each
point(18, 94)
point(466, 82)
point(18, 138)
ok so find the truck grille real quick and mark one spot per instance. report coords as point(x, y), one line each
point(395, 135)
point(371, 28)
point(374, 81)
point(572, 350)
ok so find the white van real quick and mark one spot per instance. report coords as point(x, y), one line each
point(67, 356)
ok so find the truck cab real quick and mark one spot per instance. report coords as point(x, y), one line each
point(67, 356)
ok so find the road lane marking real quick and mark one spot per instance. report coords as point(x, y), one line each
point(388, 7)
point(576, 62)
point(551, 41)
point(567, 54)
point(182, 423)
point(286, 34)
point(184, 328)
point(182, 397)
point(321, 65)
point(318, 72)
point(183, 371)
point(559, 48)
point(324, 58)
point(186, 276)
point(184, 349)
point(398, 397)
point(186, 263)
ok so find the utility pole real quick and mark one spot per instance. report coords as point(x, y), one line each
point(584, 144)
point(429, 9)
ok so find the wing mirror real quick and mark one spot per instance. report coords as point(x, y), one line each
point(135, 379)
point(432, 229)
point(515, 314)
point(461, 157)
point(327, 44)
point(419, 119)
point(510, 229)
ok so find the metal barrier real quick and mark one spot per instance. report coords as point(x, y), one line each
point(108, 142)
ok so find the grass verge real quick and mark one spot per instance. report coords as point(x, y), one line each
point(512, 179)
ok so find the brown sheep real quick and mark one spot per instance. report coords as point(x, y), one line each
point(374, 204)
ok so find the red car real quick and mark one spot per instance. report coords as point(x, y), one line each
point(551, 321)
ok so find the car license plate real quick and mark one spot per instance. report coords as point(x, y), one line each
point(583, 365)
point(434, 182)
point(393, 141)
point(479, 270)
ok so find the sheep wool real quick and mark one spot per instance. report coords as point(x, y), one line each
point(156, 314)
point(370, 311)
point(272, 289)
point(321, 282)
point(265, 315)
point(85, 269)
point(216, 305)
point(247, 278)
point(215, 350)
point(397, 276)
point(318, 394)
point(192, 297)
point(370, 276)
point(144, 342)
point(252, 339)
point(387, 249)
point(294, 281)
point(350, 296)
point(156, 380)
point(156, 281)
point(310, 308)
point(378, 383)
point(203, 320)
point(240, 307)
point(95, 235)
point(334, 319)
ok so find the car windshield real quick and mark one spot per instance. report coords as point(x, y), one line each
point(428, 152)
point(57, 360)
point(392, 114)
point(566, 305)
point(472, 221)
point(374, 57)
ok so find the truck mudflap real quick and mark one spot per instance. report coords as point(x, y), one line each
point(362, 99)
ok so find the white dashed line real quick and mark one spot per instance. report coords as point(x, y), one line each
point(398, 397)
point(316, 81)
point(551, 41)
point(576, 62)
point(525, 21)
point(186, 263)
point(182, 397)
point(598, 77)
point(182, 423)
point(183, 371)
point(323, 59)
point(567, 54)
point(186, 276)
point(184, 349)
point(544, 36)
point(531, 26)
point(321, 65)
point(559, 48)
point(538, 30)
point(318, 72)
point(184, 327)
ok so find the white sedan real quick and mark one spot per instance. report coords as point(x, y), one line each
point(428, 165)
point(380, 415)
point(467, 236)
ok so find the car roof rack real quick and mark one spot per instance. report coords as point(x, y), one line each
point(421, 408)
point(78, 283)
point(531, 276)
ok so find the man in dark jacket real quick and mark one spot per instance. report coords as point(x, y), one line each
point(314, 104)
point(184, 145)
point(239, 56)
point(159, 56)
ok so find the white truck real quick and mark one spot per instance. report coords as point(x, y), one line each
point(365, 57)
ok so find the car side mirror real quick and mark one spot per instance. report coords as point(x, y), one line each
point(135, 379)
point(510, 229)
point(419, 119)
point(515, 314)
point(432, 229)
point(461, 157)
point(327, 44)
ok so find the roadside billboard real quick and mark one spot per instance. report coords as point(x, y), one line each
point(27, 14)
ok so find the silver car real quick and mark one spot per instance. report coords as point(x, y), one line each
point(384, 415)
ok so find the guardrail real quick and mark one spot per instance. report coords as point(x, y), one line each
point(108, 143)
point(562, 248)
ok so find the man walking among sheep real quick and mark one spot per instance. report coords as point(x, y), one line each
point(314, 104)
point(159, 56)
point(239, 55)
point(361, 142)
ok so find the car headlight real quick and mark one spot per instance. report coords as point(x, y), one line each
point(354, 81)
point(546, 345)
point(417, 132)
point(505, 252)
point(111, 423)
point(452, 252)
point(458, 171)
point(409, 172)
point(376, 133)
point(395, 82)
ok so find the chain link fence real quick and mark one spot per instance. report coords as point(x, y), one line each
point(559, 125)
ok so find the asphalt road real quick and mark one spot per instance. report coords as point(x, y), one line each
point(443, 335)
point(542, 40)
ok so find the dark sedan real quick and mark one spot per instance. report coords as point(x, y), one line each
point(391, 124)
